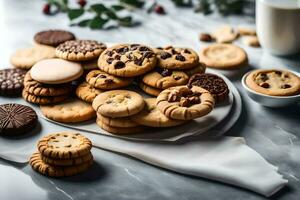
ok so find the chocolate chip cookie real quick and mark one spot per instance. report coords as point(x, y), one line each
point(53, 37)
point(127, 60)
point(274, 82)
point(11, 82)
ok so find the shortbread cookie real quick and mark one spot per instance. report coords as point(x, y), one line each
point(11, 82)
point(86, 92)
point(26, 58)
point(102, 80)
point(118, 103)
point(225, 34)
point(73, 110)
point(80, 50)
point(184, 104)
point(127, 60)
point(16, 119)
point(212, 83)
point(53, 37)
point(165, 78)
point(38, 89)
point(42, 100)
point(223, 56)
point(149, 90)
point(68, 162)
point(177, 58)
point(251, 41)
point(121, 122)
point(199, 69)
point(90, 64)
point(151, 116)
point(118, 130)
point(64, 145)
point(40, 166)
point(274, 82)
point(56, 71)
point(246, 31)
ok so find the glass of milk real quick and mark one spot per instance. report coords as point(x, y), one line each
point(278, 26)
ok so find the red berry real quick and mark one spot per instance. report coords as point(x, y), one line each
point(82, 3)
point(159, 10)
point(46, 9)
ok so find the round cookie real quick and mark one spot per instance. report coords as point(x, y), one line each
point(56, 71)
point(16, 119)
point(53, 37)
point(165, 78)
point(64, 145)
point(199, 69)
point(26, 58)
point(223, 56)
point(149, 90)
point(11, 82)
point(121, 122)
point(73, 110)
point(274, 82)
point(151, 116)
point(118, 130)
point(118, 103)
point(68, 162)
point(86, 92)
point(43, 100)
point(185, 103)
point(80, 50)
point(212, 83)
point(40, 166)
point(38, 89)
point(127, 60)
point(102, 80)
point(176, 58)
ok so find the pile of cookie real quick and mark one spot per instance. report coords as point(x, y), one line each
point(62, 154)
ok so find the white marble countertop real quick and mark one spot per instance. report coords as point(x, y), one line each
point(273, 133)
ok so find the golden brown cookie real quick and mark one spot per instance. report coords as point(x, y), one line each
point(177, 58)
point(246, 31)
point(151, 116)
point(68, 162)
point(118, 103)
point(118, 130)
point(225, 34)
point(80, 50)
point(223, 56)
point(64, 145)
point(184, 103)
point(149, 90)
point(40, 166)
point(72, 110)
point(102, 80)
point(86, 92)
point(165, 78)
point(121, 122)
point(127, 60)
point(43, 100)
point(274, 82)
point(251, 41)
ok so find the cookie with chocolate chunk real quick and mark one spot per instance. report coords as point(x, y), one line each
point(176, 58)
point(80, 50)
point(102, 80)
point(164, 78)
point(53, 37)
point(212, 83)
point(127, 60)
point(11, 82)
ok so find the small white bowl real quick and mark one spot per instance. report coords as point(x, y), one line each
point(267, 100)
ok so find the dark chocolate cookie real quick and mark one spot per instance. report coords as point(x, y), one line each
point(53, 37)
point(212, 83)
point(16, 119)
point(11, 81)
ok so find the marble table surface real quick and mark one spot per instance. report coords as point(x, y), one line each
point(274, 133)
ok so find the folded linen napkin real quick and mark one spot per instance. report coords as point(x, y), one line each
point(226, 159)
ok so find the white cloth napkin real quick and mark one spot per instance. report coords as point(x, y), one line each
point(226, 159)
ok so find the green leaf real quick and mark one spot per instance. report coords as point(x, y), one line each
point(117, 7)
point(111, 14)
point(99, 8)
point(134, 3)
point(125, 21)
point(75, 13)
point(84, 23)
point(97, 23)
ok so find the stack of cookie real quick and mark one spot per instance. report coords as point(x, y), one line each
point(173, 68)
point(49, 81)
point(114, 109)
point(11, 82)
point(62, 154)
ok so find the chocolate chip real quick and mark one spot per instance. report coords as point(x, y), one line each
point(109, 53)
point(264, 85)
point(148, 54)
point(101, 76)
point(143, 48)
point(180, 57)
point(174, 51)
point(160, 48)
point(177, 78)
point(108, 81)
point(166, 72)
point(278, 73)
point(187, 51)
point(164, 55)
point(109, 60)
point(122, 50)
point(119, 65)
point(138, 61)
point(286, 86)
point(117, 57)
